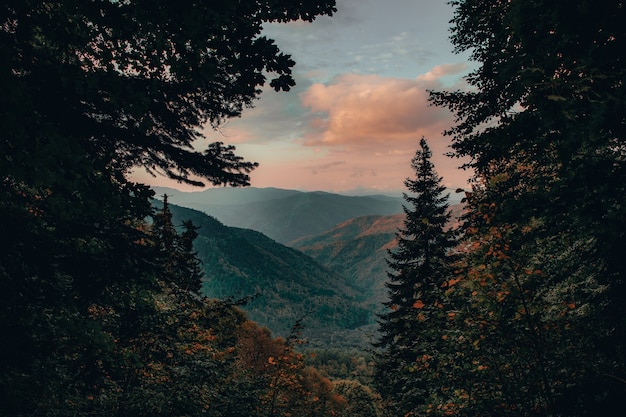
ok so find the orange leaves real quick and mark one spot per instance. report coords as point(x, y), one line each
point(421, 363)
point(501, 295)
point(450, 283)
point(569, 305)
point(197, 347)
point(498, 254)
point(453, 281)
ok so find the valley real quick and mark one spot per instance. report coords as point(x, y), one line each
point(333, 279)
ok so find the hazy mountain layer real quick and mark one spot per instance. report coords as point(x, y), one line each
point(283, 215)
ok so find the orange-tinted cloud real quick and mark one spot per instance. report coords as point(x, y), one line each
point(369, 109)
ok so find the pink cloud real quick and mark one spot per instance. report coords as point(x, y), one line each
point(369, 109)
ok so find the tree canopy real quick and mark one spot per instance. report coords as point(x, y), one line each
point(92, 298)
point(543, 127)
point(134, 81)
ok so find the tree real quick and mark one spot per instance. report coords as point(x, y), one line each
point(361, 401)
point(133, 81)
point(274, 372)
point(545, 137)
point(91, 90)
point(423, 270)
point(182, 267)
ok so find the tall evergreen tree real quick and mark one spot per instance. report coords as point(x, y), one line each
point(422, 272)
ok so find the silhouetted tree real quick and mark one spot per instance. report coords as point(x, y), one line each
point(182, 267)
point(89, 91)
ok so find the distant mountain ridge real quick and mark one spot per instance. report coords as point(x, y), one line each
point(283, 215)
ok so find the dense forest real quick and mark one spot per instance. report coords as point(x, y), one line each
point(517, 311)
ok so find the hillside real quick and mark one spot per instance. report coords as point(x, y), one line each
point(283, 215)
point(286, 283)
point(357, 249)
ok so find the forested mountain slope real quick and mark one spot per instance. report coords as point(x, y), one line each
point(357, 249)
point(286, 284)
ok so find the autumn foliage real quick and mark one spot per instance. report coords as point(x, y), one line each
point(531, 321)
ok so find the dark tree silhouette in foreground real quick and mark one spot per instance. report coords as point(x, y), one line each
point(90, 90)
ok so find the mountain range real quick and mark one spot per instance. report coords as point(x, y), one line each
point(285, 284)
point(282, 215)
point(333, 279)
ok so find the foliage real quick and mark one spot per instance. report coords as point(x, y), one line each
point(544, 269)
point(361, 400)
point(277, 371)
point(65, 257)
point(91, 89)
point(342, 363)
point(133, 81)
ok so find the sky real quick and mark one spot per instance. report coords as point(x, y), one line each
point(360, 105)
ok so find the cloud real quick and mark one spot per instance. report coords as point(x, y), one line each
point(441, 71)
point(359, 110)
point(325, 167)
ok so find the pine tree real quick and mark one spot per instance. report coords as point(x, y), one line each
point(181, 265)
point(422, 271)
